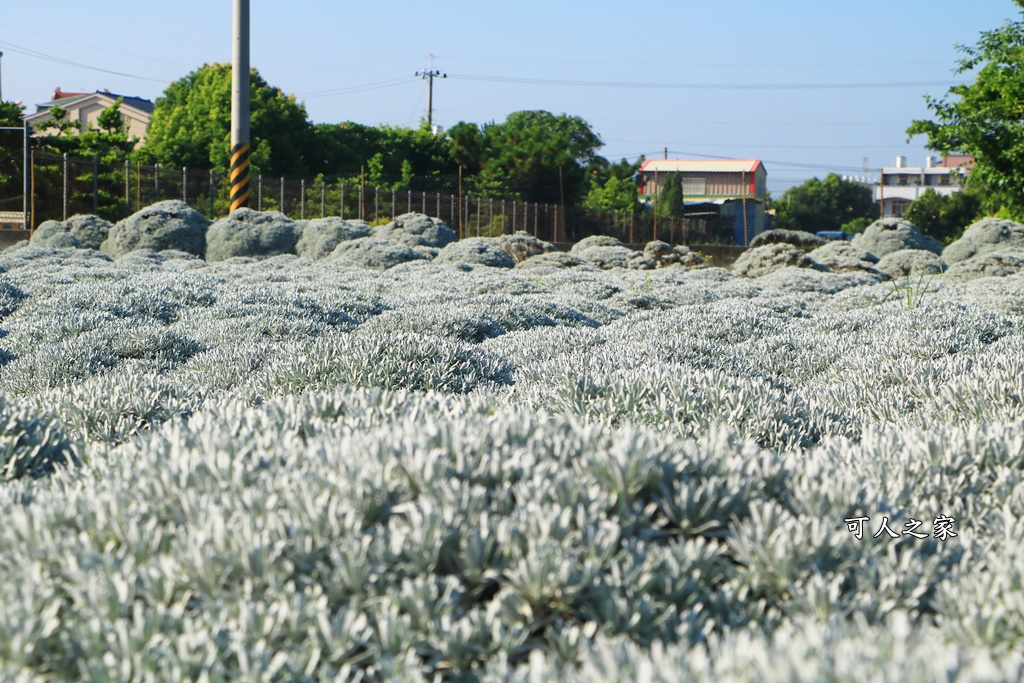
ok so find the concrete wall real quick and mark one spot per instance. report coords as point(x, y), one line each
point(9, 237)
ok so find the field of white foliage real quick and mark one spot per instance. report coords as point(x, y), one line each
point(313, 470)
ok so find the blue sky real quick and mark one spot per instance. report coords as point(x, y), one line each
point(698, 78)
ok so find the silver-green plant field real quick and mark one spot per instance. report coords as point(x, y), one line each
point(306, 470)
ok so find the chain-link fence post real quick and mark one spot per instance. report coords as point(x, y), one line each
point(67, 187)
point(213, 196)
point(95, 185)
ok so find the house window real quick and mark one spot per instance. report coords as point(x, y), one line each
point(695, 186)
point(898, 207)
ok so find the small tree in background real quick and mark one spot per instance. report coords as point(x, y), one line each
point(669, 203)
point(944, 217)
point(615, 194)
point(828, 204)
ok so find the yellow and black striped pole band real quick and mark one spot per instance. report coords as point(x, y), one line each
point(240, 176)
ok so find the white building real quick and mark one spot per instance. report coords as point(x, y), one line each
point(900, 185)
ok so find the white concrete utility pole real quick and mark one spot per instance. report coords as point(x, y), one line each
point(240, 106)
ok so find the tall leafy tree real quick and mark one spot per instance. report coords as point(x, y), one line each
point(191, 125)
point(827, 204)
point(536, 156)
point(985, 118)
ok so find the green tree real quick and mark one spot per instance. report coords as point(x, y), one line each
point(944, 217)
point(110, 141)
point(616, 194)
point(986, 118)
point(391, 157)
point(827, 204)
point(533, 155)
point(669, 203)
point(11, 154)
point(63, 138)
point(191, 125)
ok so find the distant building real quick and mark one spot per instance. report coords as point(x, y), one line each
point(85, 108)
point(900, 185)
point(735, 189)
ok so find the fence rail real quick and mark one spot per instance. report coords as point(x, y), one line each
point(65, 186)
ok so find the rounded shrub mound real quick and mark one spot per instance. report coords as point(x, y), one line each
point(480, 251)
point(995, 264)
point(557, 260)
point(322, 235)
point(417, 229)
point(170, 224)
point(376, 252)
point(910, 262)
point(595, 241)
point(521, 245)
point(664, 254)
point(254, 234)
point(32, 444)
point(603, 251)
point(887, 235)
point(607, 258)
point(771, 257)
point(798, 238)
point(81, 231)
point(843, 257)
point(987, 236)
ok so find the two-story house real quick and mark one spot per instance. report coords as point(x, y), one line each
point(85, 108)
point(898, 186)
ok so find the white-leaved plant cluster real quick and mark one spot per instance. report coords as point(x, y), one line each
point(316, 469)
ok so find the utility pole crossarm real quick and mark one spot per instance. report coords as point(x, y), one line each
point(430, 74)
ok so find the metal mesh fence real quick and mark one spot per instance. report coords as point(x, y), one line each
point(64, 186)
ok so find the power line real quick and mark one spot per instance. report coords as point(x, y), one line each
point(60, 60)
point(708, 86)
point(92, 47)
point(364, 87)
point(518, 60)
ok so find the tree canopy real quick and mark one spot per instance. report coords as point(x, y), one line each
point(986, 118)
point(11, 144)
point(827, 204)
point(536, 155)
point(191, 125)
point(944, 217)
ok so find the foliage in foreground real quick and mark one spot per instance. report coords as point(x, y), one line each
point(313, 470)
point(981, 118)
